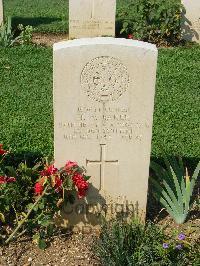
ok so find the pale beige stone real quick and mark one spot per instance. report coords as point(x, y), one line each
point(91, 18)
point(191, 20)
point(103, 110)
point(1, 11)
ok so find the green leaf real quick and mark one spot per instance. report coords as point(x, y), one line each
point(125, 25)
point(45, 222)
point(172, 195)
point(177, 186)
point(184, 192)
point(87, 177)
point(36, 237)
point(30, 206)
point(50, 229)
point(177, 167)
point(41, 205)
point(2, 217)
point(171, 204)
point(11, 171)
point(194, 177)
point(35, 208)
point(42, 244)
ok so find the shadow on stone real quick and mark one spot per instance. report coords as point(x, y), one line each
point(84, 212)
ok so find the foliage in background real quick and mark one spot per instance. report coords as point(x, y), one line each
point(30, 197)
point(26, 109)
point(154, 21)
point(173, 187)
point(43, 15)
point(134, 243)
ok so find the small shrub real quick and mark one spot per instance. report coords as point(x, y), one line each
point(26, 33)
point(31, 197)
point(134, 244)
point(155, 21)
point(8, 37)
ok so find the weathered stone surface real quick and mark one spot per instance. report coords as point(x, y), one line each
point(103, 109)
point(91, 18)
point(191, 20)
point(1, 11)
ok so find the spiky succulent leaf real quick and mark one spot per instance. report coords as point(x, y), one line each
point(176, 189)
point(170, 203)
point(172, 196)
point(177, 186)
point(194, 178)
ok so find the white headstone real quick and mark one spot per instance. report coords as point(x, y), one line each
point(1, 12)
point(191, 20)
point(103, 111)
point(91, 18)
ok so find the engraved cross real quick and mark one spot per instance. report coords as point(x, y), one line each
point(102, 163)
point(92, 9)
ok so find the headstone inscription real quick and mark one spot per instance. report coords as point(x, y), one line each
point(103, 111)
point(191, 20)
point(91, 18)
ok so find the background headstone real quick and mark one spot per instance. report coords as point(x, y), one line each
point(103, 111)
point(1, 11)
point(91, 18)
point(191, 20)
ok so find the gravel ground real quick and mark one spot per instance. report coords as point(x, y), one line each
point(76, 249)
point(63, 250)
point(48, 39)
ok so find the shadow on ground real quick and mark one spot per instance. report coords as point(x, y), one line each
point(15, 158)
point(33, 21)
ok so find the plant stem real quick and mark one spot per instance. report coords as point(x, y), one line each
point(25, 218)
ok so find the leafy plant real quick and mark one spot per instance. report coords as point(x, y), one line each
point(7, 38)
point(121, 243)
point(26, 33)
point(174, 188)
point(30, 197)
point(154, 21)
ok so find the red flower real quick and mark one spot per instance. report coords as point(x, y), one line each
point(2, 151)
point(2, 180)
point(38, 188)
point(81, 184)
point(69, 165)
point(130, 36)
point(81, 193)
point(50, 170)
point(5, 179)
point(11, 179)
point(58, 184)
